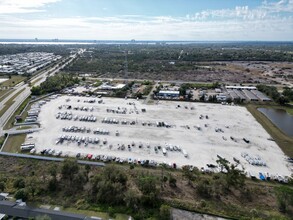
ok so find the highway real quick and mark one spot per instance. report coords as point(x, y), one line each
point(27, 90)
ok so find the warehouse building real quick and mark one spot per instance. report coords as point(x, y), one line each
point(168, 94)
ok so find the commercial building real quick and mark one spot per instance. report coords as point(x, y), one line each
point(168, 94)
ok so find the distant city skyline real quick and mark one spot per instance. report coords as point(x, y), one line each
point(166, 20)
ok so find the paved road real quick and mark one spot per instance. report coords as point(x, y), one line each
point(57, 159)
point(148, 99)
point(25, 131)
point(23, 95)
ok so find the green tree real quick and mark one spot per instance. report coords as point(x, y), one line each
point(111, 182)
point(19, 183)
point(53, 185)
point(165, 212)
point(36, 90)
point(190, 173)
point(32, 184)
point(21, 194)
point(53, 170)
point(203, 188)
point(2, 186)
point(233, 176)
point(172, 181)
point(69, 169)
point(147, 185)
point(284, 197)
point(131, 199)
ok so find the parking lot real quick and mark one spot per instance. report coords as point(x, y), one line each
point(178, 133)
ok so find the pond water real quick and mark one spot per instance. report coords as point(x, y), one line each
point(280, 118)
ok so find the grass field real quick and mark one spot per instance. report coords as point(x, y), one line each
point(10, 122)
point(9, 102)
point(35, 81)
point(284, 142)
point(23, 127)
point(13, 81)
point(4, 93)
point(2, 139)
point(13, 143)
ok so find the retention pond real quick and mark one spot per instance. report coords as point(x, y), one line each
point(280, 118)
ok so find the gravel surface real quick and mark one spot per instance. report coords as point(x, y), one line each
point(192, 128)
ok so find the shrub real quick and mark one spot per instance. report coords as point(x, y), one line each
point(203, 189)
point(21, 194)
point(19, 183)
point(172, 181)
point(285, 197)
point(2, 186)
point(165, 212)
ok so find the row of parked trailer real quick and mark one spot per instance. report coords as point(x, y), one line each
point(76, 129)
point(69, 116)
point(134, 122)
point(35, 109)
point(265, 176)
point(117, 110)
point(77, 108)
point(33, 113)
point(27, 146)
point(253, 160)
point(79, 140)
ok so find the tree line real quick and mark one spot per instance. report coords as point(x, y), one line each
point(54, 83)
point(282, 98)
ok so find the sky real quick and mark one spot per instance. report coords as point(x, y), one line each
point(182, 20)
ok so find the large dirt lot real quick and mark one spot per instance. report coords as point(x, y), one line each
point(202, 130)
point(253, 72)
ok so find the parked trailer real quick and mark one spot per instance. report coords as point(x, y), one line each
point(184, 153)
point(27, 147)
point(32, 114)
point(164, 151)
point(30, 120)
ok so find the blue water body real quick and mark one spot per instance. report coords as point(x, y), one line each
point(280, 118)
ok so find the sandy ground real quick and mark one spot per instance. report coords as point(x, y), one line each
point(202, 145)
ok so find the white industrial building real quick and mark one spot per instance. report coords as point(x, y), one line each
point(168, 94)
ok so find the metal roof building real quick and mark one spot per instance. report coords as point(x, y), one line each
point(250, 95)
point(239, 94)
point(168, 93)
point(260, 95)
point(232, 94)
point(241, 87)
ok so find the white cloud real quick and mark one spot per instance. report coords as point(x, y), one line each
point(239, 12)
point(240, 23)
point(279, 6)
point(147, 28)
point(23, 6)
point(267, 9)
